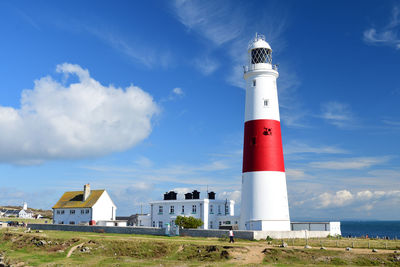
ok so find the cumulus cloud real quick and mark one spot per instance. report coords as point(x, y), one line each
point(66, 121)
point(365, 198)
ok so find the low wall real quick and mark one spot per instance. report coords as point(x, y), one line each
point(250, 235)
point(216, 233)
point(253, 235)
point(99, 229)
point(289, 234)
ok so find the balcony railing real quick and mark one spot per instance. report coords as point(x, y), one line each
point(259, 67)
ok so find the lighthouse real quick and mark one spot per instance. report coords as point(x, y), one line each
point(264, 204)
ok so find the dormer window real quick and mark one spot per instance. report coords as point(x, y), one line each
point(254, 83)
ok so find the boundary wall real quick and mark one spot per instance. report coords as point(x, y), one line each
point(250, 235)
point(99, 229)
point(254, 235)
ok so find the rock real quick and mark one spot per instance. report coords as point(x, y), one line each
point(374, 250)
point(307, 246)
point(348, 249)
point(396, 251)
point(60, 251)
point(283, 245)
point(224, 254)
point(396, 258)
point(39, 231)
point(323, 248)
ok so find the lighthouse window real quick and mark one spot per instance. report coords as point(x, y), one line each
point(261, 55)
point(253, 141)
point(266, 102)
point(254, 83)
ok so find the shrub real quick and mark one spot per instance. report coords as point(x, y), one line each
point(188, 222)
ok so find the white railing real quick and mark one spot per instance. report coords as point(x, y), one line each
point(258, 67)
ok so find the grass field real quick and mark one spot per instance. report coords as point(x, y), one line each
point(51, 248)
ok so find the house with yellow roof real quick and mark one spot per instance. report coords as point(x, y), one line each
point(84, 207)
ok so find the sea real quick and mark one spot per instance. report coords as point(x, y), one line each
point(380, 229)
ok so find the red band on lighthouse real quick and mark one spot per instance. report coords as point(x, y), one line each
point(262, 146)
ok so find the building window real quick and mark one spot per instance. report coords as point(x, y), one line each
point(71, 211)
point(172, 210)
point(220, 223)
point(219, 209)
point(226, 209)
point(254, 83)
point(154, 224)
point(160, 209)
point(62, 212)
point(194, 208)
point(160, 224)
point(71, 222)
point(211, 226)
point(266, 102)
point(58, 212)
point(82, 211)
point(183, 209)
point(87, 211)
point(211, 209)
point(61, 222)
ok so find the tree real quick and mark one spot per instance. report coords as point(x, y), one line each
point(188, 222)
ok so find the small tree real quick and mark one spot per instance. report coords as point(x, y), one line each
point(188, 222)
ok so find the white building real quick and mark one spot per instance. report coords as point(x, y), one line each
point(214, 213)
point(25, 213)
point(84, 207)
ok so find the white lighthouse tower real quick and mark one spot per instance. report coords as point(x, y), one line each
point(264, 195)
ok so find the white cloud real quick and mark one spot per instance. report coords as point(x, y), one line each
point(340, 198)
point(177, 91)
point(295, 147)
point(388, 35)
point(218, 21)
point(296, 174)
point(349, 163)
point(365, 199)
point(338, 114)
point(206, 65)
point(138, 52)
point(230, 195)
point(83, 119)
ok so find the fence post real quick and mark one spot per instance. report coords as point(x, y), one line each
point(369, 245)
point(293, 242)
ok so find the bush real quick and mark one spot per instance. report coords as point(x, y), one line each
point(188, 222)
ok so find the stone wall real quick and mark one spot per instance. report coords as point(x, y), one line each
point(250, 235)
point(216, 233)
point(254, 235)
point(99, 229)
point(290, 234)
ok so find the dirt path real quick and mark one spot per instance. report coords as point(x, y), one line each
point(73, 249)
point(247, 255)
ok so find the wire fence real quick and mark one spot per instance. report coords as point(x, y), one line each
point(393, 244)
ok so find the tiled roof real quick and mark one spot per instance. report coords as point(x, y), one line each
point(74, 199)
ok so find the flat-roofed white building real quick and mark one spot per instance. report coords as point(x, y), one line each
point(84, 207)
point(214, 213)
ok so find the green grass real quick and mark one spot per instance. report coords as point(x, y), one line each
point(146, 250)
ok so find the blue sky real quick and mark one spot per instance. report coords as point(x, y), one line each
point(140, 97)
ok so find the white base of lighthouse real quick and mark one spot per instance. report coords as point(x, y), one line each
point(264, 202)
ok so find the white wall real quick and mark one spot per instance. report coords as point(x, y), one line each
point(203, 211)
point(104, 209)
point(67, 217)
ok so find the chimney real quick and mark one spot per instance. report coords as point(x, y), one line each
point(86, 192)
